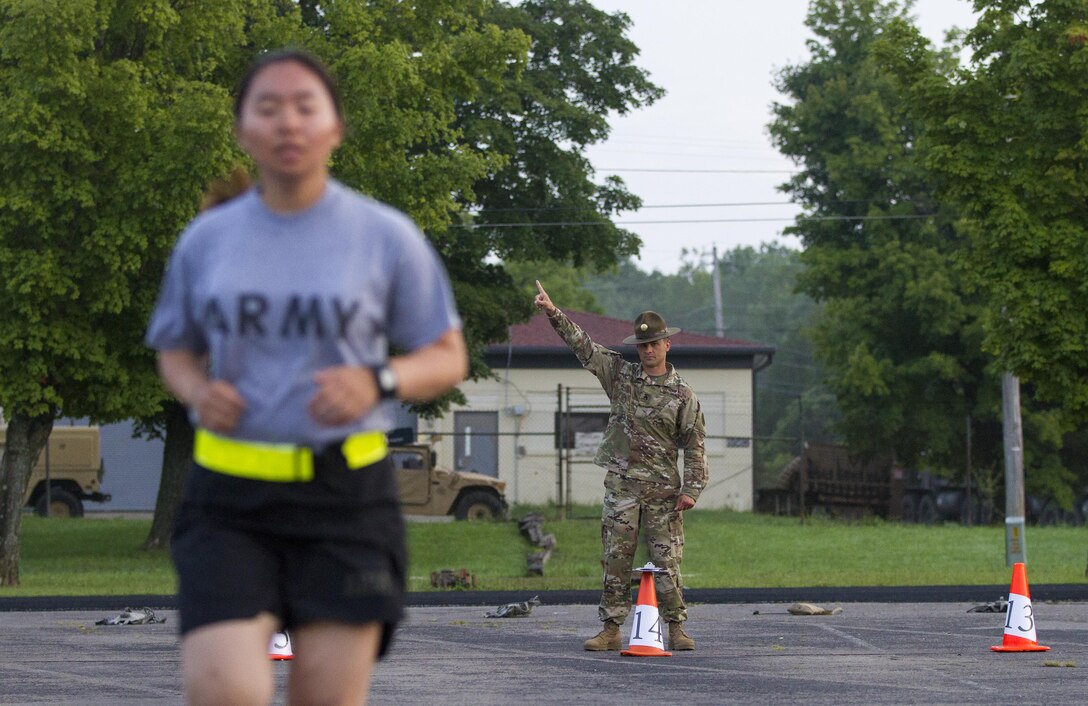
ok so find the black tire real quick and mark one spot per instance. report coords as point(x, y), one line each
point(63, 504)
point(927, 510)
point(478, 505)
point(908, 511)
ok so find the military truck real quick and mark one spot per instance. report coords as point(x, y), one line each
point(72, 462)
point(426, 489)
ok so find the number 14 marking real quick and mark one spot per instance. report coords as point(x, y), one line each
point(654, 629)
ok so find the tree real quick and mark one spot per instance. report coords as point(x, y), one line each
point(472, 114)
point(1007, 136)
point(177, 433)
point(99, 108)
point(580, 70)
point(899, 333)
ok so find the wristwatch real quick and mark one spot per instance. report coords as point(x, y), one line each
point(387, 381)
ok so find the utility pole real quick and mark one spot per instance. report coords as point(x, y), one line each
point(719, 327)
point(967, 476)
point(1015, 549)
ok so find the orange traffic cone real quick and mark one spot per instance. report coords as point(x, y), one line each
point(1019, 619)
point(280, 646)
point(646, 633)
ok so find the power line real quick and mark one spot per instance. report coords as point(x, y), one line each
point(474, 226)
point(585, 209)
point(700, 171)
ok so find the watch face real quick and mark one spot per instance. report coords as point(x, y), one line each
point(387, 380)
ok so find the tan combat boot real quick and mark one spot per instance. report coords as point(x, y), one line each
point(607, 639)
point(678, 639)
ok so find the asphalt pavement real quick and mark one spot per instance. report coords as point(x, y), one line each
point(927, 651)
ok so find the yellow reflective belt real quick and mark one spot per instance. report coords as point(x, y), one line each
point(279, 463)
point(364, 448)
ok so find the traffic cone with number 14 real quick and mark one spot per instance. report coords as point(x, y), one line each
point(1019, 619)
point(646, 637)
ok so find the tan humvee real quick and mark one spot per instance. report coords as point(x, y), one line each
point(74, 460)
point(426, 490)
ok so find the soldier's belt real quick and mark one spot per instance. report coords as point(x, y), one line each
point(279, 463)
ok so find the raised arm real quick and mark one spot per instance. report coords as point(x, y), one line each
point(595, 358)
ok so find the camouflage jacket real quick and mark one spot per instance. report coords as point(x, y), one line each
point(650, 419)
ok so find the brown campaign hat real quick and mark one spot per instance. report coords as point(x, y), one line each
point(649, 326)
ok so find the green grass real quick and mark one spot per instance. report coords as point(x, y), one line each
point(724, 550)
point(89, 557)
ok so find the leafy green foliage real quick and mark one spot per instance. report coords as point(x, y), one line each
point(1004, 143)
point(97, 175)
point(1008, 140)
point(563, 283)
point(899, 333)
point(580, 69)
point(101, 106)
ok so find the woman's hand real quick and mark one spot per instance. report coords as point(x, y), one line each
point(347, 392)
point(218, 405)
point(344, 393)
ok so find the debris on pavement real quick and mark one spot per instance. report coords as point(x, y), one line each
point(132, 616)
point(999, 606)
point(515, 610)
point(811, 609)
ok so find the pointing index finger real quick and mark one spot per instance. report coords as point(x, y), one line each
point(539, 287)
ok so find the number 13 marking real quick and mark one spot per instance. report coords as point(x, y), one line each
point(1027, 615)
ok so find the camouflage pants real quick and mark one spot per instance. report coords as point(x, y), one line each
point(629, 504)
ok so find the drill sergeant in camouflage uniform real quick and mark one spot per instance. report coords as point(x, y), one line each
point(654, 413)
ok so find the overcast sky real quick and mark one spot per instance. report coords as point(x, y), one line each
point(716, 59)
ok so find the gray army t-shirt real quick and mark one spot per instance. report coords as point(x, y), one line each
point(274, 298)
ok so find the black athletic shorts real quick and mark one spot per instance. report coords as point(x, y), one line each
point(234, 565)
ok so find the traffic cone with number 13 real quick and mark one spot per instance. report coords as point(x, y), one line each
point(1019, 619)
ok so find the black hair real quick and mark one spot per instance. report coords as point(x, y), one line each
point(278, 56)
